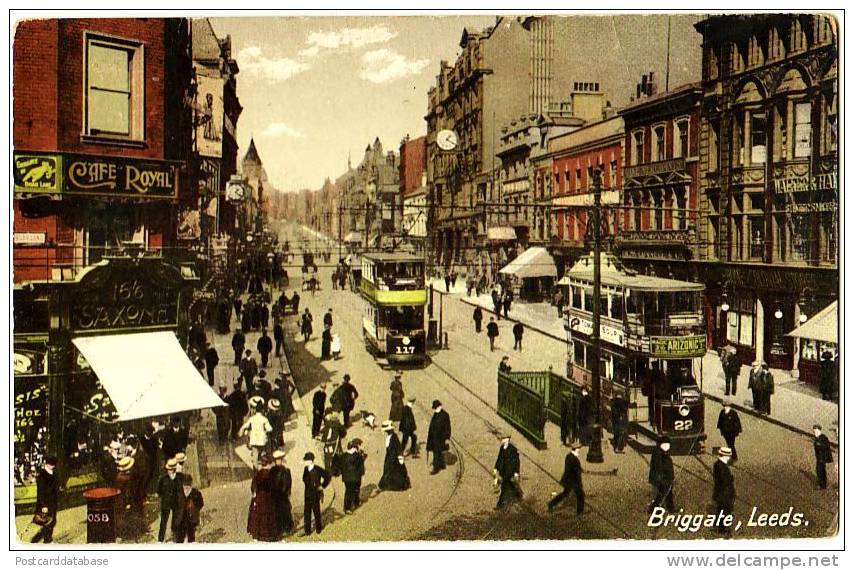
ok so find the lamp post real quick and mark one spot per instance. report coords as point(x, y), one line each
point(594, 453)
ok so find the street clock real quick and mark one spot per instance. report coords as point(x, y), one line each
point(447, 140)
point(235, 192)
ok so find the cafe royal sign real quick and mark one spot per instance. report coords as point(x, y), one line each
point(83, 174)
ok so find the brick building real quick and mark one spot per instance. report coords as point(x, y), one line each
point(413, 191)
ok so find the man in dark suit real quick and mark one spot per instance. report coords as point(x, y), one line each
point(492, 333)
point(211, 362)
point(661, 475)
point(723, 495)
point(619, 421)
point(282, 483)
point(352, 471)
point(238, 343)
point(438, 435)
point(318, 407)
point(188, 511)
point(168, 487)
point(571, 481)
point(327, 319)
point(518, 331)
point(506, 471)
point(238, 407)
point(408, 428)
point(315, 479)
point(585, 417)
point(47, 500)
point(823, 456)
point(265, 347)
point(150, 445)
point(349, 395)
point(279, 337)
point(729, 424)
point(477, 316)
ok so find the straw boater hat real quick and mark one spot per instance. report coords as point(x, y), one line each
point(576, 445)
point(171, 465)
point(125, 464)
point(725, 452)
point(274, 404)
point(180, 457)
point(756, 363)
point(256, 401)
point(278, 454)
point(387, 426)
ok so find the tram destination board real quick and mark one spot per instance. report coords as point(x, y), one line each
point(677, 346)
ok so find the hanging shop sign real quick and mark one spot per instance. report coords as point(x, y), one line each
point(37, 173)
point(121, 177)
point(209, 176)
point(29, 238)
point(677, 346)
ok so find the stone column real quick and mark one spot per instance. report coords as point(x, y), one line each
point(759, 329)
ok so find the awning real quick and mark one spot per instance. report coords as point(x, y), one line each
point(534, 262)
point(822, 327)
point(146, 374)
point(353, 237)
point(500, 233)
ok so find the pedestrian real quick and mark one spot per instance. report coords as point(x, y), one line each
point(305, 324)
point(558, 302)
point(729, 424)
point(284, 391)
point(265, 315)
point(823, 456)
point(723, 494)
point(265, 347)
point(506, 471)
point(47, 501)
point(175, 439)
point(263, 523)
point(246, 319)
point(661, 476)
point(469, 285)
point(518, 331)
point(279, 337)
point(258, 428)
point(327, 318)
point(238, 407)
point(282, 483)
point(352, 471)
point(318, 407)
point(396, 387)
point(507, 302)
point(732, 367)
point(620, 421)
point(477, 316)
point(571, 481)
point(492, 332)
point(336, 346)
point(767, 388)
point(315, 479)
point(295, 302)
point(277, 422)
point(167, 488)
point(335, 279)
point(238, 304)
point(248, 368)
point(238, 343)
point(221, 414)
point(150, 445)
point(211, 362)
point(188, 513)
point(331, 434)
point(754, 384)
point(390, 473)
point(447, 282)
point(504, 365)
point(139, 474)
point(326, 343)
point(454, 276)
point(827, 382)
point(408, 428)
point(585, 417)
point(496, 304)
point(349, 395)
point(438, 435)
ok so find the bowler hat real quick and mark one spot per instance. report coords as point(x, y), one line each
point(663, 439)
point(576, 445)
point(50, 460)
point(309, 456)
point(816, 426)
point(436, 404)
point(265, 459)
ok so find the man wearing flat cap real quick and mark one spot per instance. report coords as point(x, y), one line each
point(167, 487)
point(506, 471)
point(823, 456)
point(723, 495)
point(438, 435)
point(315, 479)
point(571, 480)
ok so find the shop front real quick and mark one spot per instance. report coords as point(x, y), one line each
point(95, 356)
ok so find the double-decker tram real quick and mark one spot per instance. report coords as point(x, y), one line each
point(652, 343)
point(393, 287)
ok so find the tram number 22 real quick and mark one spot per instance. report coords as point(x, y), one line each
point(683, 425)
point(404, 350)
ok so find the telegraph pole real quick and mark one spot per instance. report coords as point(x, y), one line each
point(594, 453)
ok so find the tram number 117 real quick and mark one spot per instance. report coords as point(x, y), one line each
point(683, 425)
point(404, 349)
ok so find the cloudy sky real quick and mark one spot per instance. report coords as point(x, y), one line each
point(314, 89)
point(317, 88)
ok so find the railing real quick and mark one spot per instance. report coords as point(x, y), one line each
point(522, 406)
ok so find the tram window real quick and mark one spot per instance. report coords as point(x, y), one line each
point(403, 318)
point(579, 354)
point(576, 297)
point(617, 307)
point(632, 303)
point(588, 300)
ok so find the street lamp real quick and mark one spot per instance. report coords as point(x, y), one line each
point(594, 452)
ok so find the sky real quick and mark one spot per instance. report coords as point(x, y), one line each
point(317, 89)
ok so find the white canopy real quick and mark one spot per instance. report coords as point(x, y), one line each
point(500, 233)
point(822, 327)
point(533, 262)
point(146, 374)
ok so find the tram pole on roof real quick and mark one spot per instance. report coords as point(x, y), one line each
point(594, 452)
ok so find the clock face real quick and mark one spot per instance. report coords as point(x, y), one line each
point(447, 140)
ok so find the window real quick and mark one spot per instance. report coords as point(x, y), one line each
point(738, 157)
point(758, 137)
point(680, 149)
point(830, 122)
point(803, 130)
point(589, 178)
point(578, 354)
point(578, 179)
point(799, 232)
point(740, 322)
point(680, 205)
point(757, 237)
point(113, 88)
point(658, 147)
point(775, 44)
point(828, 237)
point(824, 30)
point(755, 56)
point(736, 59)
point(637, 147)
point(714, 145)
point(797, 37)
point(612, 174)
point(567, 180)
point(712, 62)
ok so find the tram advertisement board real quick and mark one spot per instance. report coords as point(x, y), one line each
point(677, 346)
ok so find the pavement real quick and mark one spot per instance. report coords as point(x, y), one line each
point(794, 405)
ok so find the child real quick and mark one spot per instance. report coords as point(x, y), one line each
point(187, 517)
point(336, 346)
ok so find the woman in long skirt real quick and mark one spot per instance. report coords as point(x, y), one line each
point(263, 523)
point(397, 396)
